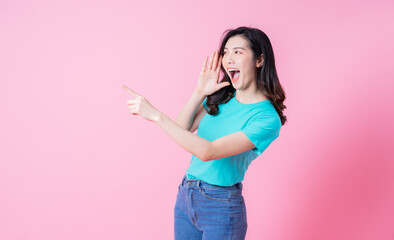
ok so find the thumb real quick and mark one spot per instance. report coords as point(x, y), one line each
point(223, 84)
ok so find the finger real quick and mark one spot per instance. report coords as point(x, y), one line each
point(215, 60)
point(131, 92)
point(132, 101)
point(133, 112)
point(223, 84)
point(212, 66)
point(211, 60)
point(219, 63)
point(204, 67)
point(133, 109)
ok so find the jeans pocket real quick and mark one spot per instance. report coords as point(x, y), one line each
point(236, 195)
point(216, 194)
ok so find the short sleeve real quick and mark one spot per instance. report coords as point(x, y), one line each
point(262, 132)
point(204, 103)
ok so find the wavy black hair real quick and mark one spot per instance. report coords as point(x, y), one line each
point(267, 77)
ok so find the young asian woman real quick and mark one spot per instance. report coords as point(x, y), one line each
point(237, 118)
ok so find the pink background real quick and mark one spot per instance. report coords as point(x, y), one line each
point(75, 164)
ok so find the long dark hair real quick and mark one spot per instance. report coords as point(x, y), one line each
point(267, 78)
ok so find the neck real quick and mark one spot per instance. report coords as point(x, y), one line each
point(249, 96)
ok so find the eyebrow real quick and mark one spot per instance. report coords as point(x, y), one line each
point(237, 48)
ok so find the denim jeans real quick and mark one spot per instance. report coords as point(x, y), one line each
point(209, 212)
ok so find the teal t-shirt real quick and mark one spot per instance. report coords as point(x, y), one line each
point(259, 121)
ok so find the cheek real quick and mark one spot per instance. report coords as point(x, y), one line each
point(248, 66)
point(245, 66)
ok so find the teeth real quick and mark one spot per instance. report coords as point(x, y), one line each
point(232, 72)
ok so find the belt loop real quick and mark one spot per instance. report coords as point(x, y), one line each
point(239, 185)
point(198, 183)
point(183, 180)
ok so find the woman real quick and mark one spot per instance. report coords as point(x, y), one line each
point(245, 114)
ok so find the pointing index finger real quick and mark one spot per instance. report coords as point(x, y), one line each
point(130, 91)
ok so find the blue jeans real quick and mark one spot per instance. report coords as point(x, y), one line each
point(209, 212)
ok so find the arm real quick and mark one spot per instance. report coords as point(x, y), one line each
point(205, 150)
point(200, 147)
point(199, 115)
point(186, 118)
point(208, 83)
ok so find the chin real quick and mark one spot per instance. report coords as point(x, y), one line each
point(236, 87)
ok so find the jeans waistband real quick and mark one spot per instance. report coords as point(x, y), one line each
point(196, 183)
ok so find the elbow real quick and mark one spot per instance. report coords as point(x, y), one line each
point(204, 158)
point(207, 155)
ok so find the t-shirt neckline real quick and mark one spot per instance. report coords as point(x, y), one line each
point(250, 104)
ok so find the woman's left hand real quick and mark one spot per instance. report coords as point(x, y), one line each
point(141, 106)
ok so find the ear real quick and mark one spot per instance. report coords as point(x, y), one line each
point(260, 61)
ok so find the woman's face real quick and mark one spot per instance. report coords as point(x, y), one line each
point(239, 63)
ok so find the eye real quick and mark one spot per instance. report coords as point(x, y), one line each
point(235, 52)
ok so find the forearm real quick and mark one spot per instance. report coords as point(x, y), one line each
point(186, 115)
point(192, 143)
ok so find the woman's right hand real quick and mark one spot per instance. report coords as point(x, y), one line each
point(209, 76)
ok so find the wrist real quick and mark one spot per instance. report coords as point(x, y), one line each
point(158, 118)
point(199, 94)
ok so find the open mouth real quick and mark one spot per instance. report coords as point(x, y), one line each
point(234, 75)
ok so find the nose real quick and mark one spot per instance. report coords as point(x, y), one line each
point(229, 59)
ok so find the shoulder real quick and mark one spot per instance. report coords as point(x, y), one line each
point(266, 115)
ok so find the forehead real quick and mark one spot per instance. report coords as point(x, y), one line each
point(237, 41)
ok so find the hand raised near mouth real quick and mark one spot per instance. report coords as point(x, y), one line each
point(209, 75)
